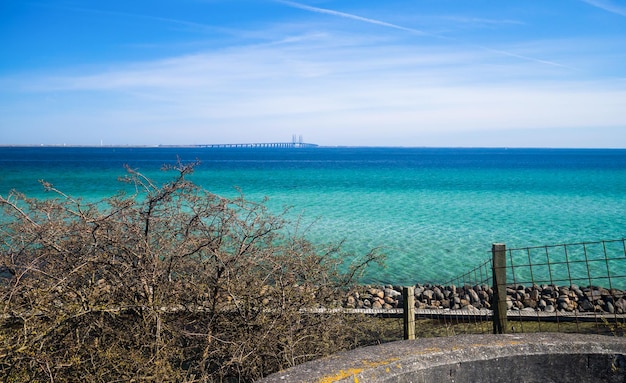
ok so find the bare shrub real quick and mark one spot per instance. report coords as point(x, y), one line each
point(170, 284)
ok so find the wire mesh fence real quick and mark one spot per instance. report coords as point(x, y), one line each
point(578, 287)
point(601, 263)
point(575, 287)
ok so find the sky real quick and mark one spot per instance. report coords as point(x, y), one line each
point(443, 73)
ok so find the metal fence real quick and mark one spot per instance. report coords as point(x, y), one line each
point(578, 287)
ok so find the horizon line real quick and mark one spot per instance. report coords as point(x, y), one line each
point(308, 146)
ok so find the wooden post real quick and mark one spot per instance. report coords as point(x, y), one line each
point(408, 301)
point(498, 264)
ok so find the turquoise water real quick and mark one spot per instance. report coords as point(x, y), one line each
point(434, 212)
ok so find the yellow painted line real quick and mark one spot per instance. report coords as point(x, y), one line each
point(353, 372)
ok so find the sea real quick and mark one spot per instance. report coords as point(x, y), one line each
point(434, 212)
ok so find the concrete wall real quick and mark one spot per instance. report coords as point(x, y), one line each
point(545, 357)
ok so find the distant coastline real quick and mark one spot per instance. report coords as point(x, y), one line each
point(235, 145)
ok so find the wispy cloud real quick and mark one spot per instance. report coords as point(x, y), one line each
point(346, 85)
point(325, 86)
point(607, 6)
point(482, 21)
point(526, 58)
point(420, 32)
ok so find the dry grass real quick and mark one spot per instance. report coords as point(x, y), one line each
point(378, 330)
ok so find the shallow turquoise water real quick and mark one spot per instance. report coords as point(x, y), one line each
point(434, 212)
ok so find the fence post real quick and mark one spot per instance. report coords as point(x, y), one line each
point(408, 304)
point(498, 264)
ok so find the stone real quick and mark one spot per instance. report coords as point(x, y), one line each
point(542, 304)
point(572, 295)
point(484, 295)
point(438, 294)
point(620, 306)
point(563, 298)
point(392, 293)
point(546, 290)
point(585, 305)
point(351, 302)
point(594, 295)
point(535, 295)
point(530, 303)
point(376, 305)
point(577, 291)
point(428, 294)
point(598, 308)
point(563, 306)
point(473, 296)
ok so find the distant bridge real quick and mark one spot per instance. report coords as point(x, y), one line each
point(296, 142)
point(253, 145)
point(261, 145)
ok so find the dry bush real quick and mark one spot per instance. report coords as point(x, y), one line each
point(170, 284)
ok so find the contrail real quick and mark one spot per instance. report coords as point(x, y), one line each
point(607, 6)
point(353, 17)
point(527, 58)
point(419, 32)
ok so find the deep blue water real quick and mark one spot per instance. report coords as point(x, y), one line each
point(433, 211)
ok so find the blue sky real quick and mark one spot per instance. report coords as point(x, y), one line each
point(361, 73)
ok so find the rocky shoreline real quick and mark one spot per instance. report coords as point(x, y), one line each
point(546, 298)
